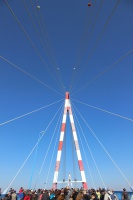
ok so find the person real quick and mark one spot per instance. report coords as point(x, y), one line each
point(98, 194)
point(34, 195)
point(107, 195)
point(110, 192)
point(9, 195)
point(93, 196)
point(5, 197)
point(0, 193)
point(61, 196)
point(124, 194)
point(102, 193)
point(85, 195)
point(80, 195)
point(28, 195)
point(74, 194)
point(39, 194)
point(132, 197)
point(67, 193)
point(52, 195)
point(10, 190)
point(21, 193)
point(45, 195)
point(116, 198)
point(14, 195)
point(57, 193)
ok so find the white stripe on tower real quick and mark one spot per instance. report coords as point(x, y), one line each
point(80, 163)
point(66, 108)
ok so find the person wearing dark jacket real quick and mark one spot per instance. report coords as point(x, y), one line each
point(5, 197)
point(94, 196)
point(74, 194)
point(102, 193)
point(45, 196)
point(125, 195)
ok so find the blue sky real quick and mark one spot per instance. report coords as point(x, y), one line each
point(65, 46)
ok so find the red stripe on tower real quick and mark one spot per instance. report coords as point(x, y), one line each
point(63, 127)
point(85, 185)
point(60, 146)
point(80, 165)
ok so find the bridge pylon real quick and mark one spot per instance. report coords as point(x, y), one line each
point(68, 111)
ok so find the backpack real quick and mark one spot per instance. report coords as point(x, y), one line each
point(52, 196)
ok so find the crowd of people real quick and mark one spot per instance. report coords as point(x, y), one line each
point(64, 194)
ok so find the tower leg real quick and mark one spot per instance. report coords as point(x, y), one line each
point(80, 162)
point(60, 146)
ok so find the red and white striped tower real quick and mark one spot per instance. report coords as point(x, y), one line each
point(68, 110)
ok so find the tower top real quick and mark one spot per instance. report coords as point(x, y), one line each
point(67, 95)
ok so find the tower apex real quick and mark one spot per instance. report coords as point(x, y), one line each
point(67, 95)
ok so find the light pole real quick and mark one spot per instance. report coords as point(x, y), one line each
point(44, 186)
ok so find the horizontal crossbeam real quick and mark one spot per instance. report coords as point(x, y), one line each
point(69, 181)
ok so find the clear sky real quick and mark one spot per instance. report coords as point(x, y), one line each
point(64, 46)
